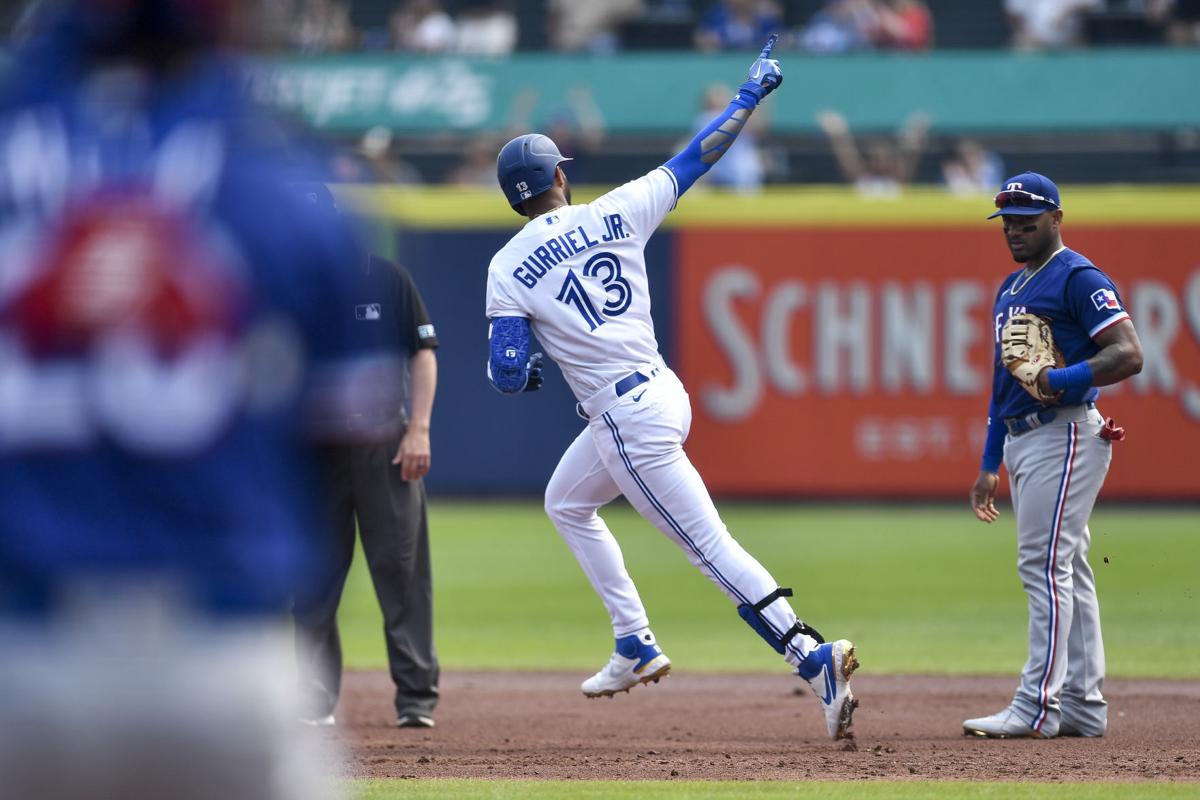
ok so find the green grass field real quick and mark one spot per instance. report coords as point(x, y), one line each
point(920, 589)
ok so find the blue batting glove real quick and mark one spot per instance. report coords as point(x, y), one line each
point(535, 380)
point(765, 74)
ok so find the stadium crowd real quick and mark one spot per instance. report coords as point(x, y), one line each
point(499, 27)
point(874, 161)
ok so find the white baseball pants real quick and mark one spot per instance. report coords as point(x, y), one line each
point(635, 448)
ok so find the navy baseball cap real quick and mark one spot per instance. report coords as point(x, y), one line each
point(1027, 194)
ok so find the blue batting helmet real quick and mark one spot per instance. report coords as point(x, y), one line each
point(526, 167)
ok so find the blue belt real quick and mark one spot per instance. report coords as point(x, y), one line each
point(623, 387)
point(632, 381)
point(1018, 425)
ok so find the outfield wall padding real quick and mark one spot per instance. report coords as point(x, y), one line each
point(837, 360)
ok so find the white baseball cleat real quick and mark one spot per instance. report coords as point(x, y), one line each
point(827, 670)
point(638, 659)
point(1006, 724)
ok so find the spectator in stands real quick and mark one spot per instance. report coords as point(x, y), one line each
point(589, 25)
point(1181, 18)
point(383, 165)
point(885, 165)
point(578, 128)
point(841, 26)
point(1048, 24)
point(743, 168)
point(904, 25)
point(738, 25)
point(478, 167)
point(972, 169)
point(486, 29)
point(321, 26)
point(372, 161)
point(422, 26)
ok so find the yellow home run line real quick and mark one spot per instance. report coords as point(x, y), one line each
point(455, 207)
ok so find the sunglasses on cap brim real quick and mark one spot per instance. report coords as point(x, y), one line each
point(1017, 198)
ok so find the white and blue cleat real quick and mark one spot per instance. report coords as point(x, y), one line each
point(638, 659)
point(827, 670)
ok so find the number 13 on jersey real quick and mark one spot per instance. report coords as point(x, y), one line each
point(607, 267)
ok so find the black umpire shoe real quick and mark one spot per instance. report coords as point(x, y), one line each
point(413, 720)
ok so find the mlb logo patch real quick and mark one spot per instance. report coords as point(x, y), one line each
point(425, 332)
point(368, 311)
point(1105, 299)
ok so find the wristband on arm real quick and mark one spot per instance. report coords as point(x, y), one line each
point(1076, 376)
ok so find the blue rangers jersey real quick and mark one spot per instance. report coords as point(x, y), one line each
point(1079, 301)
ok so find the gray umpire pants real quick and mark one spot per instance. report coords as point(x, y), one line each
point(364, 485)
point(1055, 473)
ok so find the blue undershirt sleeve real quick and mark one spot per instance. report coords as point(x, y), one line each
point(707, 147)
point(993, 448)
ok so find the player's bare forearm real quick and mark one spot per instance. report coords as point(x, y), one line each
point(414, 453)
point(1120, 357)
point(1120, 354)
point(422, 369)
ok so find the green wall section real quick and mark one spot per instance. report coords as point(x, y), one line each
point(920, 589)
point(962, 91)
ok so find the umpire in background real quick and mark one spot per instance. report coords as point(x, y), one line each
point(376, 482)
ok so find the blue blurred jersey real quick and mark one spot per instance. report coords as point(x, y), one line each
point(166, 304)
point(1078, 299)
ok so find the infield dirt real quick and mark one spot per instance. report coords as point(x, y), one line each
point(753, 727)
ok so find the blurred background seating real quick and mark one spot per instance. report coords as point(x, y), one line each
point(948, 32)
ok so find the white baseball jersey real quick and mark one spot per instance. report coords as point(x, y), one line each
point(578, 273)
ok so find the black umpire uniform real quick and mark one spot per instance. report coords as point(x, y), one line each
point(364, 485)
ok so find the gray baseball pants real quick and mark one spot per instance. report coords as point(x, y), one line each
point(366, 488)
point(1055, 473)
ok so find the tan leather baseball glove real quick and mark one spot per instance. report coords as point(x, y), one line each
point(1026, 349)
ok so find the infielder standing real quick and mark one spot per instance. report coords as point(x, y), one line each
point(1061, 330)
point(576, 275)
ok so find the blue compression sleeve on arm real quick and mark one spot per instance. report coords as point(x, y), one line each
point(993, 448)
point(1076, 376)
point(707, 147)
point(508, 359)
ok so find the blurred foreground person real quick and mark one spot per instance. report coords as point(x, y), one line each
point(167, 316)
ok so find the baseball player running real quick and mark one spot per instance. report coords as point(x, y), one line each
point(576, 276)
point(1061, 330)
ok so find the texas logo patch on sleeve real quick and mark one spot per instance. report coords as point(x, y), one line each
point(1106, 298)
